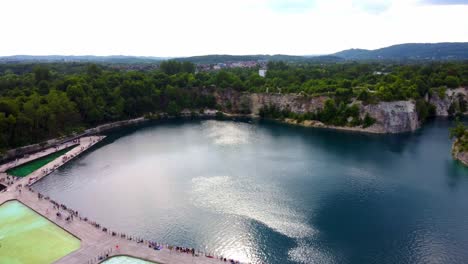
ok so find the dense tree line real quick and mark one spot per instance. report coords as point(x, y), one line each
point(44, 103)
point(40, 101)
point(371, 82)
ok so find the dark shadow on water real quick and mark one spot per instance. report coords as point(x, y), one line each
point(457, 173)
point(378, 229)
point(271, 245)
point(334, 140)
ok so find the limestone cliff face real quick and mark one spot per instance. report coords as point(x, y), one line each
point(443, 104)
point(236, 102)
point(292, 102)
point(392, 117)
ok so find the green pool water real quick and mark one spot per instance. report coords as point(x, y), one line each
point(25, 169)
point(27, 237)
point(126, 260)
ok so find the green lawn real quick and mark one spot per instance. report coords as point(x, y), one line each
point(27, 168)
point(26, 237)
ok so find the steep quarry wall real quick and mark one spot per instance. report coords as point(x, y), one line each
point(392, 117)
point(443, 104)
point(292, 102)
point(236, 102)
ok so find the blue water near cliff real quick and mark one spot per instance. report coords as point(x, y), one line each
point(272, 193)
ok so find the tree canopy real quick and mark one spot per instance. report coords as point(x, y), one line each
point(40, 101)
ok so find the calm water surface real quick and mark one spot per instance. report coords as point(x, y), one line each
point(265, 192)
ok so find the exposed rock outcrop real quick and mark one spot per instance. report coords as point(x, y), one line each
point(443, 103)
point(391, 117)
point(292, 102)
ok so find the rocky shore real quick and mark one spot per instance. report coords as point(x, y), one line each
point(458, 153)
point(391, 117)
point(318, 124)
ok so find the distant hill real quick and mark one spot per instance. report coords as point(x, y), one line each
point(401, 52)
point(213, 59)
point(84, 58)
point(410, 51)
point(206, 59)
point(351, 53)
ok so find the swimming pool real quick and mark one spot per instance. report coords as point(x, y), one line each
point(27, 237)
point(126, 260)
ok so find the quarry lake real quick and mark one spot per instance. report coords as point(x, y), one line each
point(263, 192)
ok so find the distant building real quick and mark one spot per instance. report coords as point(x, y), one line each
point(262, 72)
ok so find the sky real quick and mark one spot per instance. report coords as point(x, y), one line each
point(174, 28)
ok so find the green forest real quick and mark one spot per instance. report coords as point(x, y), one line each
point(41, 101)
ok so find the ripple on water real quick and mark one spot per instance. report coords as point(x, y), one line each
point(305, 253)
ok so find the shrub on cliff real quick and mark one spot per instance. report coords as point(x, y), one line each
point(219, 115)
point(425, 110)
point(460, 133)
point(458, 106)
point(331, 114)
point(368, 121)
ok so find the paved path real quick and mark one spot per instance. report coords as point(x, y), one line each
point(94, 241)
point(84, 144)
point(4, 167)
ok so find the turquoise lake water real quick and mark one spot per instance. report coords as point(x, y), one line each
point(264, 192)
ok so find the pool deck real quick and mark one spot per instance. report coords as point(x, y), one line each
point(94, 241)
point(84, 144)
point(15, 163)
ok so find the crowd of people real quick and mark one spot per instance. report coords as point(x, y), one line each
point(69, 215)
point(101, 257)
point(9, 180)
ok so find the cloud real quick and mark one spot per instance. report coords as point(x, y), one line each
point(163, 28)
point(372, 6)
point(291, 6)
point(445, 2)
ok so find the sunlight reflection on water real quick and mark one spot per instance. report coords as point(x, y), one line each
point(265, 203)
point(227, 133)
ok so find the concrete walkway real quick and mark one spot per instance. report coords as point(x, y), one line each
point(6, 166)
point(94, 241)
point(84, 144)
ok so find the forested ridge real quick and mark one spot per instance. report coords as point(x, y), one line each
point(41, 101)
point(410, 51)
